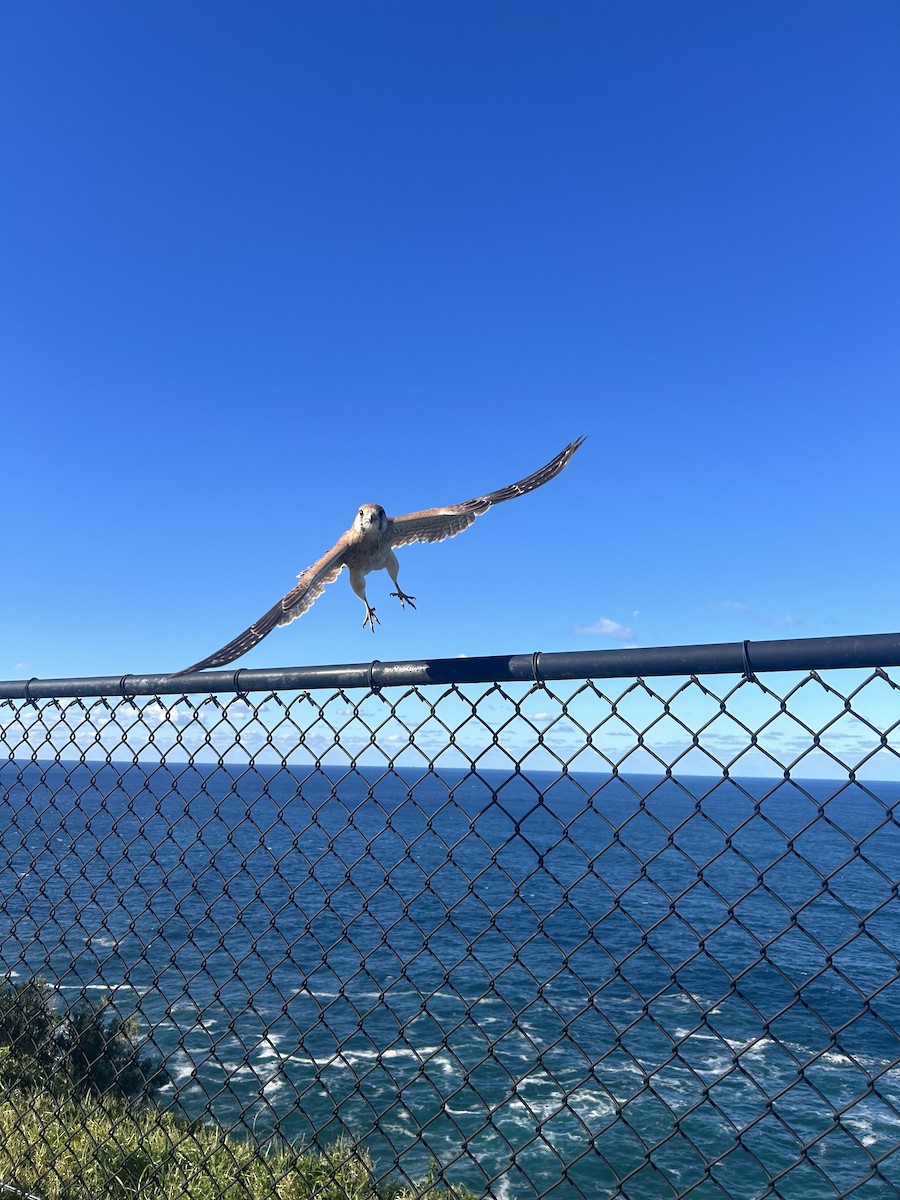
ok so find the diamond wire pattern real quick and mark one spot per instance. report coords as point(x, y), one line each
point(566, 940)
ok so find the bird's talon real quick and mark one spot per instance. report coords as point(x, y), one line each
point(371, 620)
point(404, 599)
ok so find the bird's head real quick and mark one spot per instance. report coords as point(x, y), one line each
point(370, 518)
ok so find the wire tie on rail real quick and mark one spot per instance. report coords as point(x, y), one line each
point(122, 689)
point(29, 699)
point(238, 690)
point(535, 671)
point(749, 674)
point(374, 688)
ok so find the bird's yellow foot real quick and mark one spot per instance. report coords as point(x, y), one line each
point(371, 620)
point(404, 599)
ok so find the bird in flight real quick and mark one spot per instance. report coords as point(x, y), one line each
point(368, 545)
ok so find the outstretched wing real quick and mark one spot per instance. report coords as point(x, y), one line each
point(310, 586)
point(435, 524)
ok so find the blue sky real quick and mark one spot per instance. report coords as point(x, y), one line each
point(262, 263)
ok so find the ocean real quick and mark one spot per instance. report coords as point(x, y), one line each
point(552, 986)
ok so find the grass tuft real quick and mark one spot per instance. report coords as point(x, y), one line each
point(83, 1147)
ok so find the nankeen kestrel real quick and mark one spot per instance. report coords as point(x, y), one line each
point(368, 545)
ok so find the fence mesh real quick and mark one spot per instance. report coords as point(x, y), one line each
point(632, 939)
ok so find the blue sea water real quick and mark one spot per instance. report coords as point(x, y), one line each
point(553, 986)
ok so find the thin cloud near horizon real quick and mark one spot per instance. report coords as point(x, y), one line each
point(605, 627)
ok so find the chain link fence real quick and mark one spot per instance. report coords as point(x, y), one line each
point(554, 926)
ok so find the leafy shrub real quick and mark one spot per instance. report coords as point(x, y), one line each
point(89, 1048)
point(97, 1051)
point(27, 1020)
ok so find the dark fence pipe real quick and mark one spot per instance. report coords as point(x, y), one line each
point(722, 658)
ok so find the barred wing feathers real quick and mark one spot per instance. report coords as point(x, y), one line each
point(309, 587)
point(435, 524)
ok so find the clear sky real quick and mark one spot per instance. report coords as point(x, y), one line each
point(263, 262)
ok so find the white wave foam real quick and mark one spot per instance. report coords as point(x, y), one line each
point(181, 1069)
point(836, 1058)
point(536, 1079)
point(421, 1055)
point(267, 1049)
point(752, 1049)
point(350, 1059)
point(864, 1132)
point(501, 1190)
point(447, 1065)
point(234, 1069)
point(477, 1111)
point(592, 1106)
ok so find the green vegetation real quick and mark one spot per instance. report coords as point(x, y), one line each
point(85, 1050)
point(77, 1122)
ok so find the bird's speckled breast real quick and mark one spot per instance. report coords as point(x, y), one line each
point(368, 551)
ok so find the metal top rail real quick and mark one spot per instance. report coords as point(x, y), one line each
point(719, 658)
